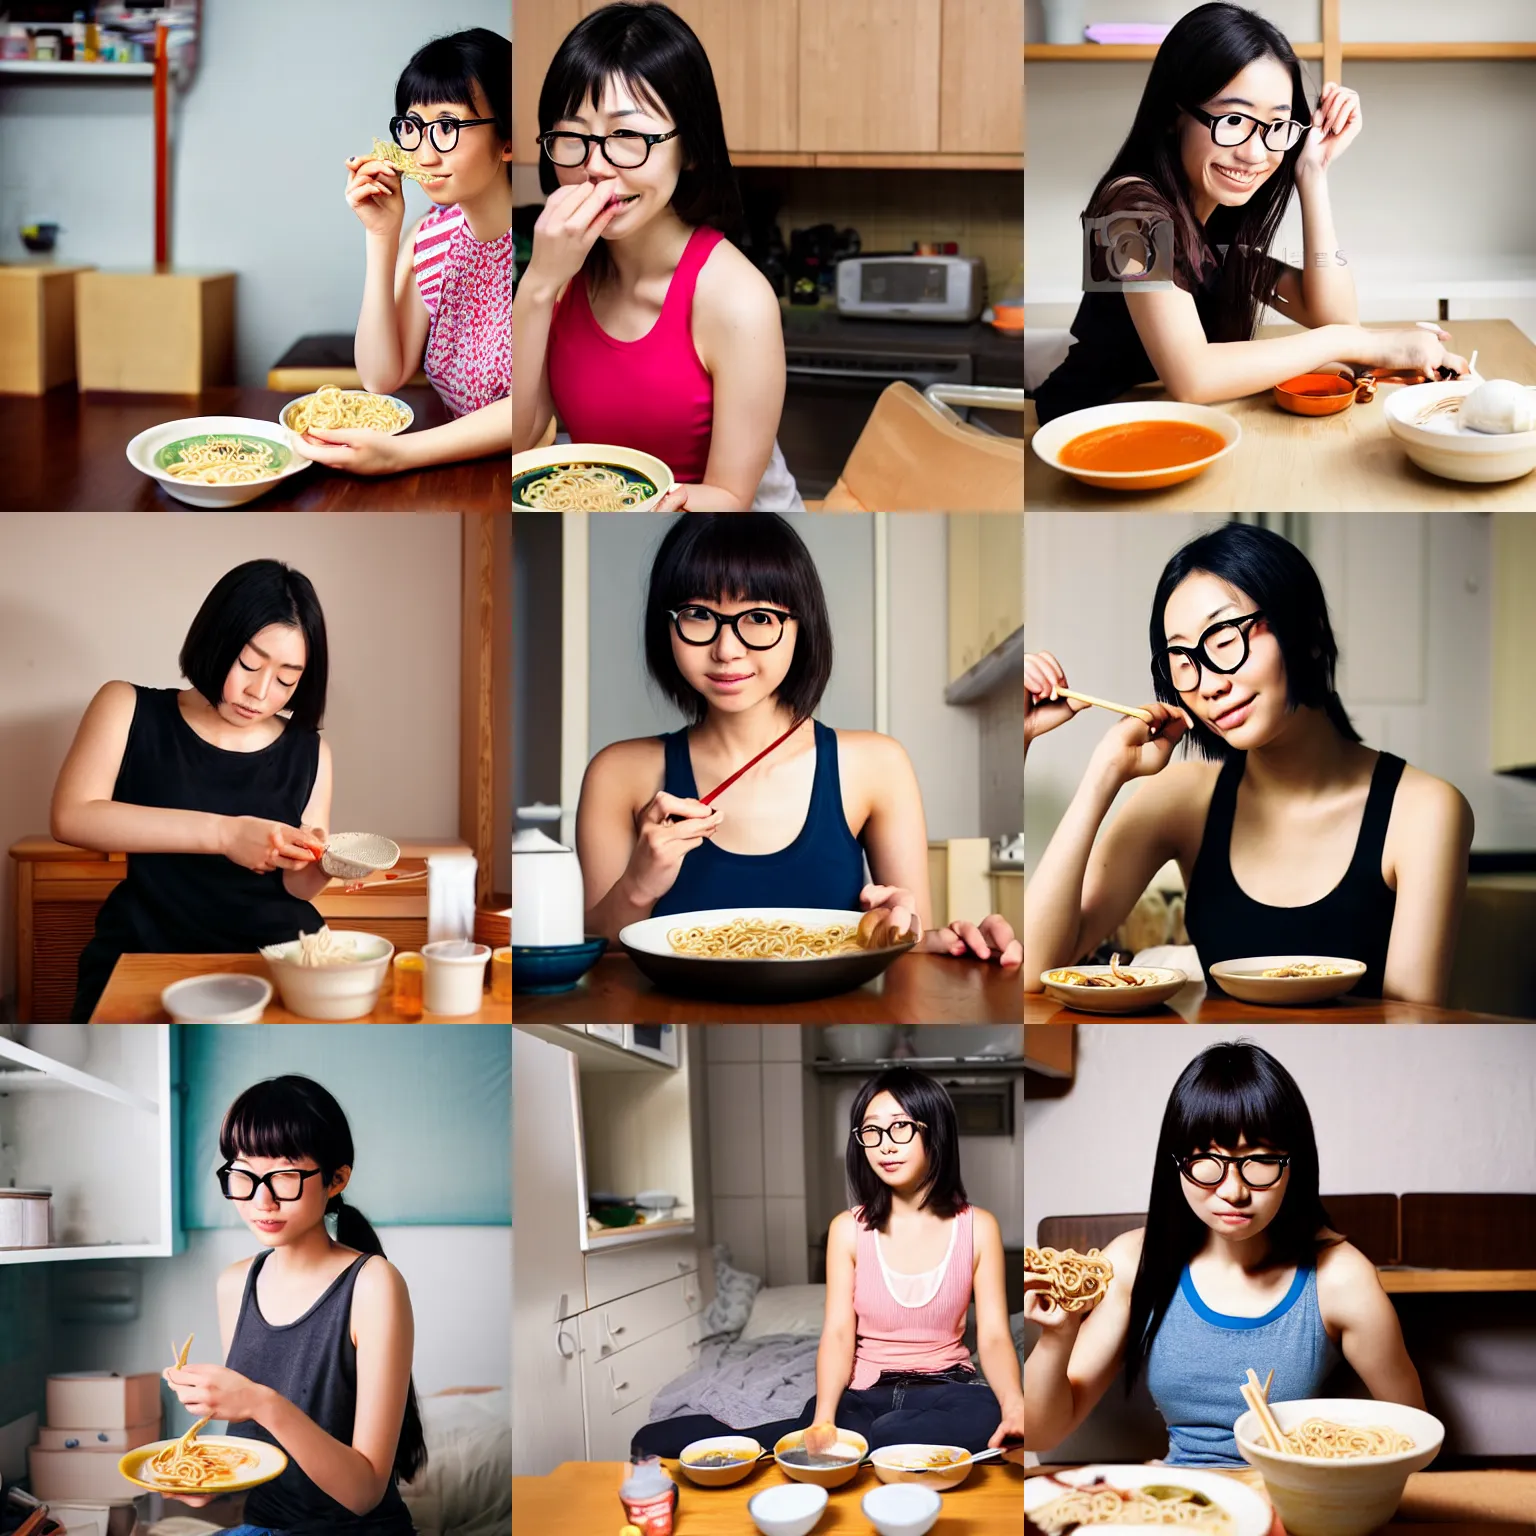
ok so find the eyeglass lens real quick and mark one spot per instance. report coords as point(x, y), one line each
point(624, 149)
point(1223, 650)
point(900, 1131)
point(284, 1183)
point(1256, 1173)
point(444, 133)
point(1235, 129)
point(759, 629)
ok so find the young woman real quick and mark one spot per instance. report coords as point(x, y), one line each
point(441, 298)
point(1193, 199)
point(902, 1267)
point(313, 1320)
point(638, 320)
point(1293, 836)
point(737, 635)
point(1237, 1266)
point(220, 793)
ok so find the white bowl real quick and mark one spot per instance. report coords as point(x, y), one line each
point(455, 979)
point(1161, 983)
point(885, 1460)
point(223, 998)
point(142, 450)
point(632, 459)
point(720, 1477)
point(901, 1509)
point(1347, 1497)
point(352, 855)
point(658, 1200)
point(1475, 457)
point(790, 1509)
point(1050, 439)
point(347, 990)
point(410, 415)
point(1248, 1511)
point(1243, 979)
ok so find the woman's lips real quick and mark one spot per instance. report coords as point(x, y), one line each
point(250, 714)
point(728, 679)
point(269, 1226)
point(1230, 719)
point(1235, 178)
point(1234, 1217)
point(889, 1166)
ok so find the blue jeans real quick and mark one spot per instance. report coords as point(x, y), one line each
point(953, 1407)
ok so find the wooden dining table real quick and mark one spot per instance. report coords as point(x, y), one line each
point(1349, 462)
point(583, 1496)
point(915, 989)
point(65, 451)
point(1199, 1004)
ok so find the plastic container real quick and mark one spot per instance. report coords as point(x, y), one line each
point(455, 981)
point(24, 1217)
point(649, 1497)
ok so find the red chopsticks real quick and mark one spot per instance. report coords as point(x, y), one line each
point(725, 784)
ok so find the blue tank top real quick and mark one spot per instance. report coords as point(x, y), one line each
point(822, 867)
point(1200, 1357)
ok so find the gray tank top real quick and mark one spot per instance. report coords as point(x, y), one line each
point(311, 1361)
point(1200, 1358)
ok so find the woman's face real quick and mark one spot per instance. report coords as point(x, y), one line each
point(732, 676)
point(902, 1165)
point(1233, 1209)
point(1248, 707)
point(1230, 176)
point(475, 163)
point(264, 676)
point(280, 1223)
point(645, 189)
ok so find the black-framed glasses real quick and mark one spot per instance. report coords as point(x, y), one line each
point(1222, 648)
point(624, 149)
point(443, 131)
point(900, 1131)
point(283, 1184)
point(759, 629)
point(1258, 1170)
point(1233, 128)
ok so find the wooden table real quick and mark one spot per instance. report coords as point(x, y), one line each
point(1197, 1005)
point(583, 1496)
point(916, 989)
point(1284, 463)
point(133, 994)
point(65, 451)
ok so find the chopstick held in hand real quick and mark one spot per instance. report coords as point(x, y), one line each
point(1087, 698)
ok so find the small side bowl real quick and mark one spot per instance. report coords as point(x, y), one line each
point(223, 998)
point(332, 993)
point(1241, 979)
point(720, 1477)
point(1472, 457)
point(405, 426)
point(1162, 983)
point(1315, 394)
point(901, 1510)
point(939, 1479)
point(822, 1477)
point(788, 1509)
point(543, 968)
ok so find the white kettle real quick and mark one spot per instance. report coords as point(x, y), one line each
point(548, 905)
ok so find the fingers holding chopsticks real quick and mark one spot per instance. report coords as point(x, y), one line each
point(1044, 676)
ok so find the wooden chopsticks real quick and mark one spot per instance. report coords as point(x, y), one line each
point(1257, 1398)
point(1088, 698)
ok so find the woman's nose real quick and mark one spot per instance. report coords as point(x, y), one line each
point(1232, 1188)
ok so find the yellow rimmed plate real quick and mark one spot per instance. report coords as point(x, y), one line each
point(270, 1462)
point(631, 462)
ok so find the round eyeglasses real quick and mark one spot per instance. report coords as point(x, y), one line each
point(759, 629)
point(1222, 648)
point(624, 150)
point(1234, 128)
point(1259, 1170)
point(443, 131)
point(283, 1184)
point(900, 1131)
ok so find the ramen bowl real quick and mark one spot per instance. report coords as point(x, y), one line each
point(346, 989)
point(743, 1450)
point(754, 980)
point(224, 998)
point(1158, 985)
point(1349, 1496)
point(901, 1511)
point(1315, 394)
point(1128, 420)
point(635, 466)
point(851, 1446)
point(545, 968)
point(1244, 979)
point(899, 1464)
point(285, 415)
point(1249, 1514)
point(156, 447)
point(270, 1463)
point(1451, 451)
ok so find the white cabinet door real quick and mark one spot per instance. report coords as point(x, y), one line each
point(620, 1387)
point(631, 1320)
point(615, 1272)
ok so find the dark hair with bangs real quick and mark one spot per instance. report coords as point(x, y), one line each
point(659, 57)
point(243, 602)
point(738, 557)
point(295, 1117)
point(449, 68)
point(923, 1098)
point(1228, 1091)
point(1279, 579)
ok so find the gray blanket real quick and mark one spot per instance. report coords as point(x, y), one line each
point(744, 1384)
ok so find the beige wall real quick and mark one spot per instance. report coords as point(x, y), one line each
point(89, 597)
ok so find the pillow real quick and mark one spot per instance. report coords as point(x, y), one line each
point(787, 1309)
point(466, 1489)
point(734, 1290)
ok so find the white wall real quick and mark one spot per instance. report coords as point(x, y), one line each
point(88, 597)
point(284, 92)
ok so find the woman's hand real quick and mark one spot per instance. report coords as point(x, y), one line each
point(1334, 125)
point(1011, 1427)
point(991, 939)
point(820, 1437)
point(214, 1392)
point(1423, 350)
point(1042, 672)
point(262, 846)
point(358, 450)
point(899, 903)
point(375, 196)
point(676, 500)
point(663, 844)
point(572, 220)
point(1132, 749)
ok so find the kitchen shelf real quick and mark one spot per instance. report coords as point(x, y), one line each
point(1406, 1282)
point(57, 1251)
point(38, 1071)
point(619, 1237)
point(68, 69)
point(1042, 53)
point(997, 669)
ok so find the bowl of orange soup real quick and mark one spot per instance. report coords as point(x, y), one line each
point(1137, 446)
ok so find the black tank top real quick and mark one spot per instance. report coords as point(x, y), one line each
point(1353, 920)
point(313, 1363)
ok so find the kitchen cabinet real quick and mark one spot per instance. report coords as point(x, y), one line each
point(869, 76)
point(538, 28)
point(981, 92)
point(1514, 643)
point(986, 585)
point(753, 52)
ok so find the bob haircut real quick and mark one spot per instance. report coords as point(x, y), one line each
point(294, 1117)
point(1228, 1091)
point(449, 68)
point(1280, 580)
point(243, 602)
point(658, 56)
point(925, 1099)
point(738, 557)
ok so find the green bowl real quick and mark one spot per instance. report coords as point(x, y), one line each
point(521, 482)
point(171, 453)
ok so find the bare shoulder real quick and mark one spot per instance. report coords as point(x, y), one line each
point(380, 1284)
point(1124, 1253)
point(232, 1276)
point(1434, 804)
point(1340, 1263)
point(733, 297)
point(114, 702)
point(1347, 1283)
point(637, 765)
point(1178, 799)
point(986, 1235)
point(844, 1229)
point(871, 751)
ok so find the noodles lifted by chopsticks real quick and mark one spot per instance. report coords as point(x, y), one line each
point(224, 461)
point(190, 1464)
point(750, 938)
point(1099, 1503)
point(332, 407)
point(585, 488)
point(1117, 977)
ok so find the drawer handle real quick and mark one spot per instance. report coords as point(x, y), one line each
point(619, 1386)
point(611, 1329)
point(683, 1266)
point(561, 1338)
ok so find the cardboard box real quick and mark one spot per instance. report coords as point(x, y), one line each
point(118, 1440)
point(37, 327)
point(89, 1477)
point(167, 333)
point(102, 1400)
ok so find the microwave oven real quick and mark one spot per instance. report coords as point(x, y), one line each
point(952, 288)
point(655, 1042)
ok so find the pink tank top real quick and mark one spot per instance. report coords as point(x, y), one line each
point(652, 394)
point(893, 1337)
point(466, 285)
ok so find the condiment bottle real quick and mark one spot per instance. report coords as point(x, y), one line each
point(649, 1497)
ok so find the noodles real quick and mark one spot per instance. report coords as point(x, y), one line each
point(331, 408)
point(923, 1461)
point(752, 938)
point(316, 949)
point(585, 488)
point(1324, 1438)
point(190, 1464)
point(1078, 1280)
point(1117, 977)
point(1098, 1503)
point(402, 162)
point(1305, 968)
point(224, 461)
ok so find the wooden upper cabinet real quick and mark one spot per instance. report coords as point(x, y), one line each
point(981, 87)
point(753, 51)
point(869, 76)
point(538, 29)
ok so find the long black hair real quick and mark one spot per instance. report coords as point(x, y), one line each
point(1228, 1091)
point(1205, 50)
point(660, 58)
point(448, 69)
point(925, 1099)
point(1281, 581)
point(295, 1117)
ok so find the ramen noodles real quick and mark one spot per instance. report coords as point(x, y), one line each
point(748, 938)
point(331, 408)
point(1077, 1280)
point(224, 461)
point(1100, 1503)
point(1304, 968)
point(1323, 1438)
point(585, 488)
point(402, 162)
point(187, 1462)
point(316, 949)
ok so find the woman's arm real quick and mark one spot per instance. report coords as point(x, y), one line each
point(994, 1339)
point(306, 884)
point(1431, 864)
point(894, 829)
point(533, 312)
point(393, 322)
point(1351, 1298)
point(1327, 288)
point(839, 1328)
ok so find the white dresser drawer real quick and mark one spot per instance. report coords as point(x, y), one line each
point(616, 1382)
point(621, 1324)
point(615, 1272)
